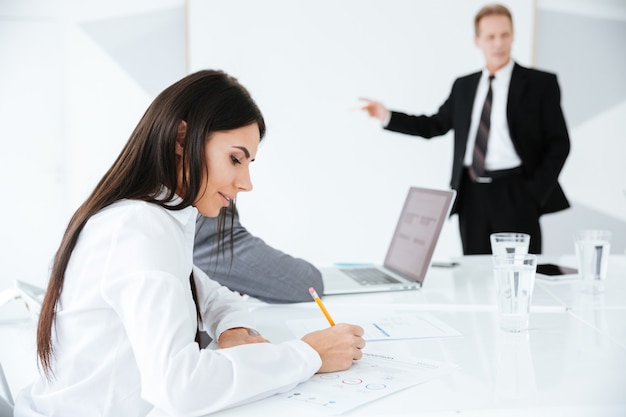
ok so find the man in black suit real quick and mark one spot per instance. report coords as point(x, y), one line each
point(526, 137)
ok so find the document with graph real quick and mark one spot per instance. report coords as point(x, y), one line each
point(373, 377)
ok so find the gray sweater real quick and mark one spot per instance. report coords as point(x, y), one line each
point(257, 269)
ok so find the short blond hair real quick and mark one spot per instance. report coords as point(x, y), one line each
point(490, 10)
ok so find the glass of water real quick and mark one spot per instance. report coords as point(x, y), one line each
point(514, 276)
point(592, 253)
point(509, 242)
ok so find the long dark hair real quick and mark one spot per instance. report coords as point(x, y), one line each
point(208, 101)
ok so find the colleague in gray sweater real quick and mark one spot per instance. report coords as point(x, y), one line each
point(252, 267)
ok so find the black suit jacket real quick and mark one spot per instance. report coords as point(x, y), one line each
point(536, 125)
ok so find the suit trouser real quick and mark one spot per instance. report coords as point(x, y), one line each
point(503, 205)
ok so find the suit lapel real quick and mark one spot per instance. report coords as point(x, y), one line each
point(516, 90)
point(469, 92)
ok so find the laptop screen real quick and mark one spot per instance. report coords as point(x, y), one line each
point(417, 231)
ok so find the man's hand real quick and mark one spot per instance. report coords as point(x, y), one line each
point(375, 109)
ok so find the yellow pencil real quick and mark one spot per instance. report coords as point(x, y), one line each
point(321, 305)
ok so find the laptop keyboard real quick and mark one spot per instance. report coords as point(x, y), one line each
point(369, 276)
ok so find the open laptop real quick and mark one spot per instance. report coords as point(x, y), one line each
point(410, 251)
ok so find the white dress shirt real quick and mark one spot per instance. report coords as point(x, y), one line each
point(126, 323)
point(501, 153)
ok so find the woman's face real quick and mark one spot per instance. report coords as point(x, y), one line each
point(228, 157)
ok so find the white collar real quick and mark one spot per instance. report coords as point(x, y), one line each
point(183, 216)
point(502, 73)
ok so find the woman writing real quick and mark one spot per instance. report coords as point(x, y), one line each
point(117, 332)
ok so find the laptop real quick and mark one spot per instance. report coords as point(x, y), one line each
point(409, 254)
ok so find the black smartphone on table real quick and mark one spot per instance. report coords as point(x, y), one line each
point(555, 272)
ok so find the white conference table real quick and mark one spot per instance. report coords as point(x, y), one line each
point(572, 361)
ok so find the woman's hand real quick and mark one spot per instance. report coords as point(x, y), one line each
point(338, 346)
point(239, 336)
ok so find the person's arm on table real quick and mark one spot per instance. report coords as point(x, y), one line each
point(255, 268)
point(329, 350)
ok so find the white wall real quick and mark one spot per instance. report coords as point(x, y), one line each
point(329, 182)
point(68, 102)
point(77, 75)
point(32, 128)
point(582, 41)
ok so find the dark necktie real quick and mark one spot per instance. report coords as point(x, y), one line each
point(477, 169)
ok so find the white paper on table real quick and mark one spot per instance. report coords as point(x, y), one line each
point(373, 377)
point(389, 327)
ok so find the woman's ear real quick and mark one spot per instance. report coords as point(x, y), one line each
point(180, 137)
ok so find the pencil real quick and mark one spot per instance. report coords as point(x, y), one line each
point(321, 305)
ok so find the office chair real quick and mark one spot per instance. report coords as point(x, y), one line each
point(31, 294)
point(6, 399)
point(33, 297)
